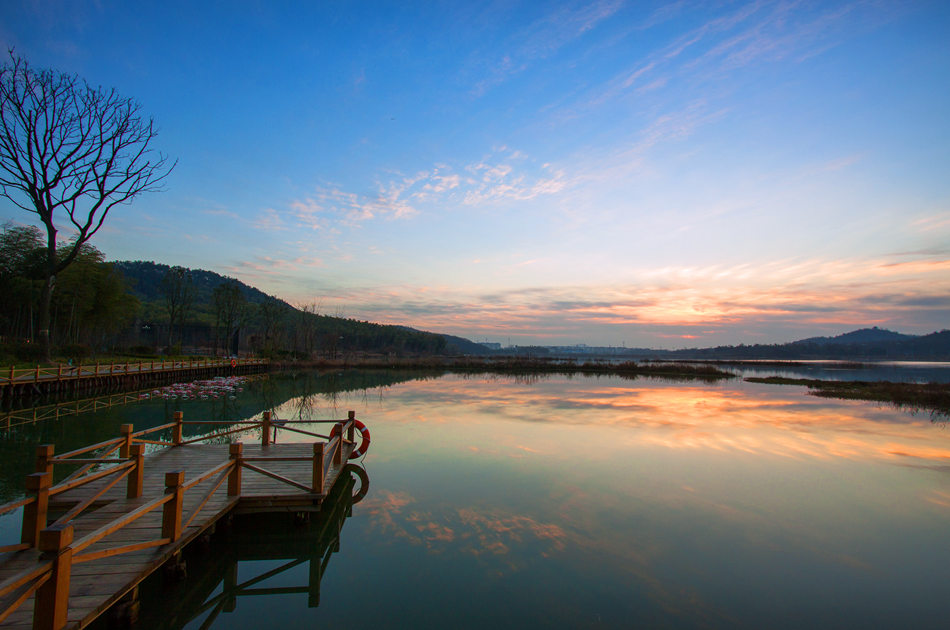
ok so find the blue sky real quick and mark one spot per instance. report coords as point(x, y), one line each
point(650, 174)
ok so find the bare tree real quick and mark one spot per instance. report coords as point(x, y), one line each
point(69, 153)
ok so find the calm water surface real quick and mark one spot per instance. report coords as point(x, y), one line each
point(595, 502)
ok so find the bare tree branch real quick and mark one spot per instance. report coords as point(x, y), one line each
point(70, 153)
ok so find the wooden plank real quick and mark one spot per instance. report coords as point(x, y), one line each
point(105, 577)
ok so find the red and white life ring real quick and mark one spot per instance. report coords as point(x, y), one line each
point(233, 363)
point(364, 435)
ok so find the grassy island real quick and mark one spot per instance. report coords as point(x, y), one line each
point(932, 397)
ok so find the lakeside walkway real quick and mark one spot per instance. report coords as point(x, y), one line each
point(90, 540)
point(40, 380)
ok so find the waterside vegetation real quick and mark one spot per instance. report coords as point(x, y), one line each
point(931, 397)
point(518, 365)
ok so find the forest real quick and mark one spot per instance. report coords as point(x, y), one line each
point(147, 309)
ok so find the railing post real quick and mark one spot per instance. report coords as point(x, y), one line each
point(176, 430)
point(12, 372)
point(316, 484)
point(351, 433)
point(236, 452)
point(97, 367)
point(52, 598)
point(34, 514)
point(44, 453)
point(36, 377)
point(265, 437)
point(59, 372)
point(171, 512)
point(338, 453)
point(137, 476)
point(126, 449)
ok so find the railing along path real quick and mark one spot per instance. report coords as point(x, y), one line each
point(16, 376)
point(88, 517)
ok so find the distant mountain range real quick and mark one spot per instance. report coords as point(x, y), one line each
point(863, 344)
point(862, 336)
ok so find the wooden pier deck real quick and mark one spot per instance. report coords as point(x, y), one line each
point(90, 539)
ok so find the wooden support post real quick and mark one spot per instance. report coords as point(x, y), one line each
point(265, 437)
point(52, 598)
point(59, 372)
point(351, 433)
point(313, 584)
point(171, 512)
point(137, 476)
point(44, 453)
point(234, 479)
point(316, 485)
point(176, 430)
point(35, 513)
point(338, 453)
point(126, 449)
point(97, 368)
point(36, 376)
point(12, 372)
point(229, 587)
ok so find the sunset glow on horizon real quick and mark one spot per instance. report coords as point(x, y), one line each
point(613, 173)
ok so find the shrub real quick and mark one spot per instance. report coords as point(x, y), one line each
point(31, 352)
point(76, 351)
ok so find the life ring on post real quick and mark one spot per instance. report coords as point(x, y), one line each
point(233, 363)
point(364, 438)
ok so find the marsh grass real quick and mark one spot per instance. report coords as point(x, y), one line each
point(525, 366)
point(932, 397)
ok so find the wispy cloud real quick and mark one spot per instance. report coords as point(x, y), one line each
point(504, 175)
point(541, 39)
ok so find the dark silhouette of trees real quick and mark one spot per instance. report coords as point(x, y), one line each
point(229, 309)
point(91, 304)
point(69, 153)
point(179, 292)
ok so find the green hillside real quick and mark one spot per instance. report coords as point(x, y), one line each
point(269, 325)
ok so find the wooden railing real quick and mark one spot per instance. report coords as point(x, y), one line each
point(14, 375)
point(49, 581)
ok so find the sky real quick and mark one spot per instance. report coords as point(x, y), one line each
point(662, 175)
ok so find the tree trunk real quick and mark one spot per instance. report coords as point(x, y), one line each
point(42, 336)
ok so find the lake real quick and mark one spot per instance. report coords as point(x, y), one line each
point(566, 502)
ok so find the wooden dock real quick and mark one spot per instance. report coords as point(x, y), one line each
point(216, 581)
point(90, 539)
point(18, 382)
